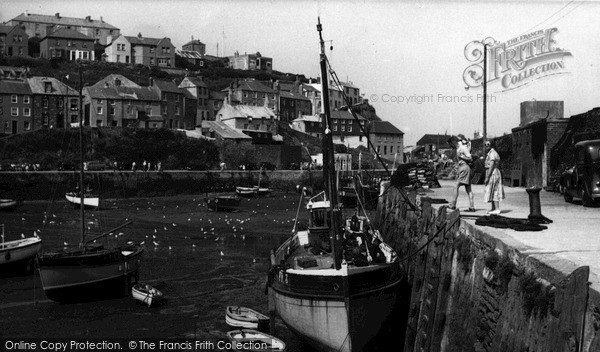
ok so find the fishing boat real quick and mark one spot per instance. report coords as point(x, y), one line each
point(255, 341)
point(7, 204)
point(146, 294)
point(222, 202)
point(18, 251)
point(88, 271)
point(89, 200)
point(335, 283)
point(246, 318)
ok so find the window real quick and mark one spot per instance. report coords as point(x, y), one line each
point(26, 99)
point(14, 111)
point(69, 43)
point(118, 58)
point(385, 149)
point(177, 110)
point(26, 112)
point(343, 128)
point(26, 125)
point(391, 149)
point(360, 138)
point(14, 99)
point(99, 123)
point(164, 109)
point(111, 110)
point(99, 101)
point(349, 128)
point(151, 61)
point(58, 43)
point(111, 101)
point(74, 104)
point(334, 128)
point(45, 119)
point(335, 121)
point(99, 110)
point(151, 50)
point(343, 121)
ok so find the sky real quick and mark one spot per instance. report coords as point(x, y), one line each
point(407, 58)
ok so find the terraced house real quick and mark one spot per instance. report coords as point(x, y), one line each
point(67, 44)
point(55, 104)
point(13, 41)
point(15, 106)
point(140, 50)
point(28, 104)
point(253, 93)
point(41, 25)
point(119, 102)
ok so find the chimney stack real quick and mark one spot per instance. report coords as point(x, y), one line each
point(151, 81)
point(57, 15)
point(88, 18)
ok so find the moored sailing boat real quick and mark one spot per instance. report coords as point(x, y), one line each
point(335, 283)
point(18, 251)
point(89, 271)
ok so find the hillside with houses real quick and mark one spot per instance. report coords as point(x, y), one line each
point(127, 80)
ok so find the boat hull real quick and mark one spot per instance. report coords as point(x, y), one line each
point(245, 318)
point(97, 275)
point(88, 202)
point(246, 191)
point(7, 204)
point(19, 251)
point(145, 297)
point(330, 320)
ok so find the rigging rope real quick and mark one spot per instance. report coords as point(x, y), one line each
point(362, 128)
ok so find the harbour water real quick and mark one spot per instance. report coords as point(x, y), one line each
point(201, 260)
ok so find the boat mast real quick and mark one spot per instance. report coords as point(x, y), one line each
point(81, 168)
point(329, 176)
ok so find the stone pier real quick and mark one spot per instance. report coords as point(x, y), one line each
point(478, 288)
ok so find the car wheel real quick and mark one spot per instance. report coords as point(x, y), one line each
point(586, 200)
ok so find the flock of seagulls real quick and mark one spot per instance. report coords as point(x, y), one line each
point(206, 231)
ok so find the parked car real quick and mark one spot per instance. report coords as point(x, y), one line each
point(583, 180)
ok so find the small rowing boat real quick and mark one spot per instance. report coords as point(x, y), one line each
point(255, 341)
point(242, 317)
point(146, 293)
point(7, 204)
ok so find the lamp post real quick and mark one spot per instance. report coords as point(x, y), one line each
point(484, 93)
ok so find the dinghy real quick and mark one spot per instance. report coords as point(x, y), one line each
point(146, 294)
point(242, 317)
point(255, 341)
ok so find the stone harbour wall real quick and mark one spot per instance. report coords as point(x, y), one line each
point(473, 291)
point(53, 185)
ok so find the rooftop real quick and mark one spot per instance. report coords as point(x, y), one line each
point(66, 21)
point(384, 127)
point(68, 34)
point(223, 130)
